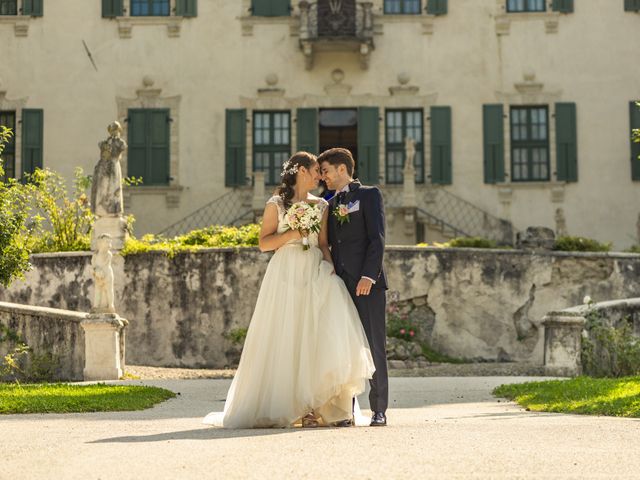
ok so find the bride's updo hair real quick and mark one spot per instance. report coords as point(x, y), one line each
point(289, 172)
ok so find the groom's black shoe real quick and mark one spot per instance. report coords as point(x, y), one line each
point(344, 423)
point(378, 420)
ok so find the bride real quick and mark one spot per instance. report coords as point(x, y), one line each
point(306, 355)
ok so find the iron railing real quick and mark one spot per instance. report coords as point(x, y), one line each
point(228, 209)
point(454, 215)
point(336, 19)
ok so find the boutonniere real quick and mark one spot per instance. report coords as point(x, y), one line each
point(341, 212)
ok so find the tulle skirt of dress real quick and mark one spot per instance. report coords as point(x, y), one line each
point(305, 348)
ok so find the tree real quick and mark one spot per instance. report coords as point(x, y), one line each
point(14, 211)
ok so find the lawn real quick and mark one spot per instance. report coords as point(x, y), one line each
point(618, 397)
point(65, 398)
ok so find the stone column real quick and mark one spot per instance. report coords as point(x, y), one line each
point(563, 343)
point(258, 199)
point(103, 346)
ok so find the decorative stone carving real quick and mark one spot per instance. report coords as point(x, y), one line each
point(106, 190)
point(561, 223)
point(103, 276)
point(272, 89)
point(404, 88)
point(536, 238)
point(337, 87)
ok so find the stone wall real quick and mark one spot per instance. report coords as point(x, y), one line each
point(475, 304)
point(48, 331)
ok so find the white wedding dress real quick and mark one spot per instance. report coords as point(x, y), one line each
point(305, 348)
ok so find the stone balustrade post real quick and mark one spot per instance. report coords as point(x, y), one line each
point(563, 343)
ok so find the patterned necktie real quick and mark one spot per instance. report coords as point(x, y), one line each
point(341, 197)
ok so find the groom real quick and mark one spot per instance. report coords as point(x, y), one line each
point(356, 237)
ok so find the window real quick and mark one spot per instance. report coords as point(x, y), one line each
point(148, 138)
point(149, 8)
point(271, 143)
point(402, 7)
point(401, 124)
point(8, 119)
point(270, 8)
point(526, 6)
point(529, 143)
point(8, 7)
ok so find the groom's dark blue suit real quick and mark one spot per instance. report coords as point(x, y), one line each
point(357, 250)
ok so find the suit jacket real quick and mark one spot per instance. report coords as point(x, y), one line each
point(357, 246)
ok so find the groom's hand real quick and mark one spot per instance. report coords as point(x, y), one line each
point(363, 287)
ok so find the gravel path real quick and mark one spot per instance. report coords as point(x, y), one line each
point(434, 370)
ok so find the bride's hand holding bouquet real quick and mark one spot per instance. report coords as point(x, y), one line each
point(305, 218)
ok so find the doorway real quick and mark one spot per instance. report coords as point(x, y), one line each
point(338, 127)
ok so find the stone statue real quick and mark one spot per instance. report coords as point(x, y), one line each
point(561, 223)
point(103, 276)
point(106, 191)
point(410, 153)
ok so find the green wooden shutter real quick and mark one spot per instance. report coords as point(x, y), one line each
point(632, 5)
point(437, 7)
point(367, 163)
point(187, 8)
point(32, 139)
point(562, 6)
point(634, 118)
point(566, 142)
point(32, 8)
point(158, 133)
point(493, 136)
point(137, 145)
point(441, 145)
point(271, 8)
point(235, 156)
point(307, 130)
point(112, 8)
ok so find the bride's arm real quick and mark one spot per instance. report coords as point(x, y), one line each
point(270, 239)
point(323, 237)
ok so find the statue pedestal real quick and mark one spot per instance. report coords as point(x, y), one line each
point(114, 226)
point(104, 346)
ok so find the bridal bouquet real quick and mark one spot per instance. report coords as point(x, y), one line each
point(304, 217)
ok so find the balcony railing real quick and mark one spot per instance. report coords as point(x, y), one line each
point(336, 25)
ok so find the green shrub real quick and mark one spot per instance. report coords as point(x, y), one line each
point(236, 336)
point(580, 244)
point(633, 249)
point(67, 222)
point(216, 236)
point(472, 242)
point(609, 351)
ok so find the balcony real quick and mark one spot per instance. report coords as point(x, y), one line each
point(336, 26)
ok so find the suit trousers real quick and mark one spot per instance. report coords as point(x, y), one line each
point(371, 309)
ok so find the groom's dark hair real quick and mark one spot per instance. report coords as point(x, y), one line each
point(338, 156)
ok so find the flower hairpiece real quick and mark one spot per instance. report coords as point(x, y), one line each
point(288, 169)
